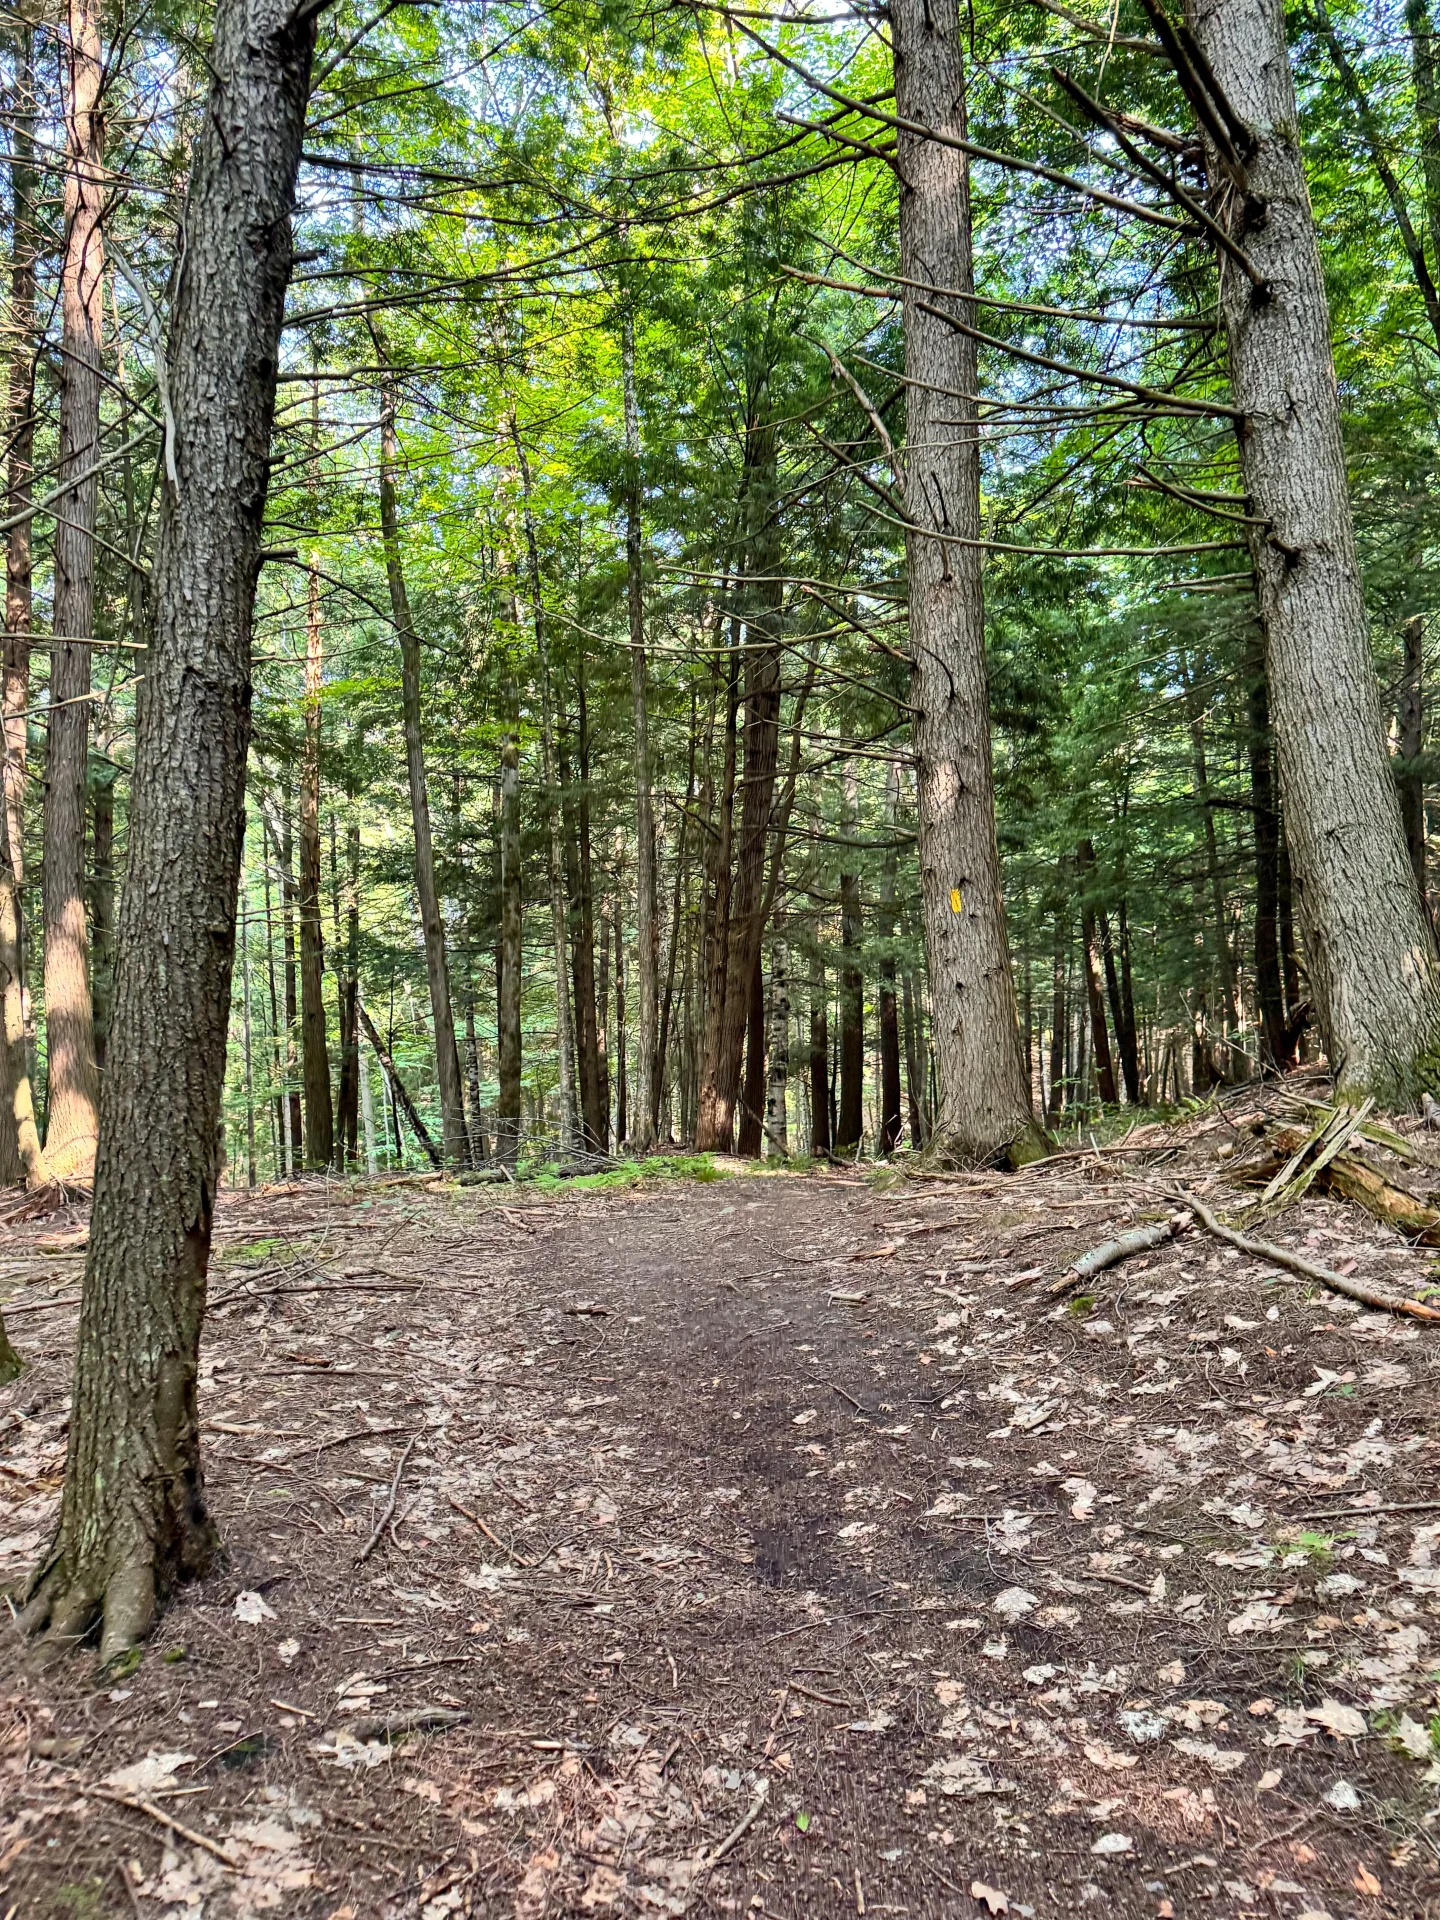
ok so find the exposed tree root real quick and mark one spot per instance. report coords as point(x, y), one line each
point(63, 1608)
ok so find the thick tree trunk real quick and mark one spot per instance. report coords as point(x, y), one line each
point(508, 957)
point(889, 1013)
point(1369, 946)
point(432, 925)
point(984, 1100)
point(314, 1051)
point(622, 1049)
point(647, 944)
point(1410, 718)
point(133, 1517)
point(820, 1136)
point(72, 1084)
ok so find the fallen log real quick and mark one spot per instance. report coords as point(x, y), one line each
point(1353, 1179)
point(1307, 1269)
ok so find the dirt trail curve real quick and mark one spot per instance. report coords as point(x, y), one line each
point(761, 1551)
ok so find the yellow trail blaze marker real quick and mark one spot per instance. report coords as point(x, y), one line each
point(956, 902)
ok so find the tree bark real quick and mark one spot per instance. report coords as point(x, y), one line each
point(133, 1518)
point(508, 958)
point(432, 925)
point(1369, 945)
point(1410, 715)
point(72, 1083)
point(819, 1065)
point(647, 944)
point(575, 810)
point(984, 1100)
point(1059, 1024)
point(314, 1051)
point(622, 1039)
point(914, 1084)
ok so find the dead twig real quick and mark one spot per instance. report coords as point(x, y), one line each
point(389, 1514)
point(1307, 1269)
point(1111, 1252)
point(148, 1807)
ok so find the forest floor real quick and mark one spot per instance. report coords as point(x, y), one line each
point(769, 1544)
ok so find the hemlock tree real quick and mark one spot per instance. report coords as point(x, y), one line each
point(1370, 949)
point(984, 1097)
point(133, 1518)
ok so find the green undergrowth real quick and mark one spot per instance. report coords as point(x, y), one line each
point(547, 1178)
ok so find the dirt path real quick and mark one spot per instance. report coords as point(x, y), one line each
point(757, 1549)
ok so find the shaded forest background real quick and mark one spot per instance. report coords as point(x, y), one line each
point(594, 342)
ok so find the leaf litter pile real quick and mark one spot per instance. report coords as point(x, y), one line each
point(776, 1544)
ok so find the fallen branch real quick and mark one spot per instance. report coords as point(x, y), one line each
point(741, 1827)
point(1111, 1252)
point(418, 1720)
point(389, 1514)
point(147, 1807)
point(1308, 1269)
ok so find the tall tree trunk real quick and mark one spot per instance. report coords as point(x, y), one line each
point(1410, 715)
point(314, 1050)
point(19, 488)
point(102, 907)
point(1095, 1000)
point(72, 1083)
point(1059, 1023)
point(750, 1133)
point(286, 849)
point(647, 942)
point(447, 1057)
point(984, 1100)
point(761, 762)
point(709, 1118)
point(889, 1012)
point(564, 1026)
point(914, 1086)
point(347, 975)
point(1369, 945)
point(820, 1136)
point(133, 1518)
point(622, 1039)
point(283, 1157)
point(777, 1083)
point(1269, 987)
point(21, 1155)
point(367, 1114)
point(508, 957)
point(581, 931)
point(852, 987)
point(1224, 959)
point(474, 1116)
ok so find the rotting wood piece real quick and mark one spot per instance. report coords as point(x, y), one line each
point(1348, 1175)
point(1307, 1269)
